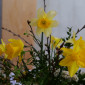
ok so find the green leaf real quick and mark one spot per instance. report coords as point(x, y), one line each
point(25, 33)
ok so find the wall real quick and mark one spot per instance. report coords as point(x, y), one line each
point(70, 13)
point(15, 14)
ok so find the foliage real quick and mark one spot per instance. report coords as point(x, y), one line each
point(45, 66)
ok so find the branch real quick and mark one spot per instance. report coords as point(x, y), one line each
point(44, 5)
point(80, 30)
point(16, 35)
point(36, 40)
point(20, 38)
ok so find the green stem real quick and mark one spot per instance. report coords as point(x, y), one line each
point(41, 58)
point(41, 43)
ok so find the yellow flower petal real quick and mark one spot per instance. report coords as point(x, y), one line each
point(2, 47)
point(51, 14)
point(41, 13)
point(5, 55)
point(11, 51)
point(54, 23)
point(33, 22)
point(81, 43)
point(39, 31)
point(73, 69)
point(70, 41)
point(67, 61)
point(74, 34)
point(1, 51)
point(67, 51)
point(14, 48)
point(76, 47)
point(59, 43)
point(48, 32)
point(20, 59)
point(17, 43)
point(81, 63)
point(55, 42)
point(3, 43)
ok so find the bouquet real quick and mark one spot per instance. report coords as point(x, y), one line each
point(55, 62)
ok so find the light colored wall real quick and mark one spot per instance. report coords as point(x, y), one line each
point(70, 13)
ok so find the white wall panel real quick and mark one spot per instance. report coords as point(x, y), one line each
point(71, 13)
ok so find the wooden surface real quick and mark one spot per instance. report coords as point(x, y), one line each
point(15, 14)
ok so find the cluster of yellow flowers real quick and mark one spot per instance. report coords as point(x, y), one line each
point(12, 49)
point(74, 58)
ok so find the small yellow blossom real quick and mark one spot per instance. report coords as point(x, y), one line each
point(55, 42)
point(44, 22)
point(11, 51)
point(74, 58)
point(79, 42)
point(2, 47)
point(17, 43)
point(14, 48)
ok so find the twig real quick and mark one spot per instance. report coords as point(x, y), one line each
point(44, 5)
point(2, 58)
point(16, 35)
point(80, 30)
point(20, 38)
point(36, 40)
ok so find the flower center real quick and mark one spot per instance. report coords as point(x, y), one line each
point(44, 23)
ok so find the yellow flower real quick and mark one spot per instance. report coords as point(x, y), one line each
point(2, 47)
point(17, 43)
point(44, 22)
point(72, 40)
point(55, 42)
point(11, 51)
point(74, 58)
point(14, 48)
point(79, 42)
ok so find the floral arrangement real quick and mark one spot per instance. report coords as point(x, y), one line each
point(55, 63)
